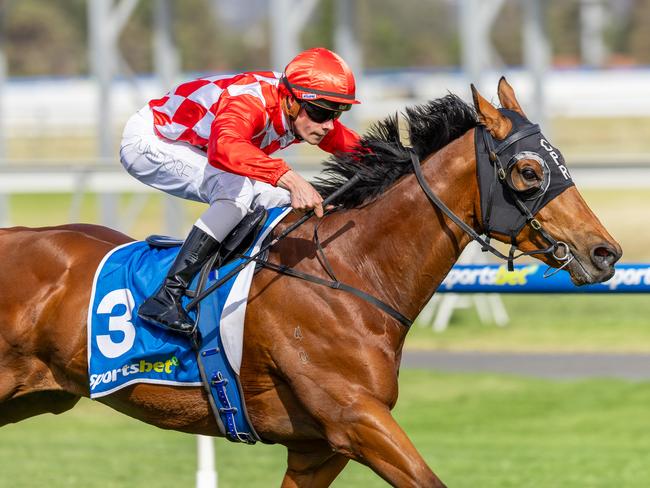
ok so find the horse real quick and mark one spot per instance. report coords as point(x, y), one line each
point(320, 366)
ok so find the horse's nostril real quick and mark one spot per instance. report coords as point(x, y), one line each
point(602, 252)
point(604, 256)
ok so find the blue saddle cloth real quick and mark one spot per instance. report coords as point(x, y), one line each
point(123, 349)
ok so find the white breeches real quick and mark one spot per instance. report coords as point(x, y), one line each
point(182, 170)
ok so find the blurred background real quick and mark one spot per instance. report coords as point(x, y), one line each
point(73, 71)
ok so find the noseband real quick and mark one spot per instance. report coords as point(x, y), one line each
point(497, 193)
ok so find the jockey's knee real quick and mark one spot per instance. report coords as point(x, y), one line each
point(128, 156)
point(223, 216)
point(236, 208)
point(270, 196)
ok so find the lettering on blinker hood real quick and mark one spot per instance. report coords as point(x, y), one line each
point(556, 158)
point(498, 206)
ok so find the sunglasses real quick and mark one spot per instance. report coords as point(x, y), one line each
point(320, 114)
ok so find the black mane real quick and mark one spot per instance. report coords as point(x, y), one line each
point(381, 160)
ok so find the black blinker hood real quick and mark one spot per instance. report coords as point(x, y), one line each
point(500, 204)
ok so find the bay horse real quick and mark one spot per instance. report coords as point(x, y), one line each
point(320, 366)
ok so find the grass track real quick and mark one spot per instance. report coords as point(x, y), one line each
point(571, 323)
point(474, 430)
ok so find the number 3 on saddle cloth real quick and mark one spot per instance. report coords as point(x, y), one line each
point(124, 350)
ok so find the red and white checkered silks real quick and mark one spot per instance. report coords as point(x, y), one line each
point(238, 120)
point(187, 112)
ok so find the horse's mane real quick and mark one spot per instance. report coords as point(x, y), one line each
point(381, 159)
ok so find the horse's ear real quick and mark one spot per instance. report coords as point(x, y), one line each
point(507, 97)
point(498, 125)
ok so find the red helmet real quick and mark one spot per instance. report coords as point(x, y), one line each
point(319, 75)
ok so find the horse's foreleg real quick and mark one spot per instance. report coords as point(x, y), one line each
point(313, 468)
point(369, 434)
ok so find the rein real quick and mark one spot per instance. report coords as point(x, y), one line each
point(259, 258)
point(334, 283)
point(256, 257)
point(337, 285)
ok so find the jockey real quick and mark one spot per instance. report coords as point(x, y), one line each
point(211, 140)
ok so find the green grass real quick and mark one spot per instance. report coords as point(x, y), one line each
point(585, 323)
point(473, 430)
point(621, 212)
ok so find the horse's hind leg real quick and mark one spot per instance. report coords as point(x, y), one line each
point(28, 387)
point(25, 406)
point(19, 399)
point(313, 467)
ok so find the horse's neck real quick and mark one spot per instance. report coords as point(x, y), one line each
point(408, 256)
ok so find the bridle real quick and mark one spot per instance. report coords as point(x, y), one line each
point(501, 173)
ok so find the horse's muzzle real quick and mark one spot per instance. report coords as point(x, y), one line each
point(597, 267)
point(604, 256)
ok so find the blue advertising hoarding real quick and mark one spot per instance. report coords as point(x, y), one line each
point(529, 278)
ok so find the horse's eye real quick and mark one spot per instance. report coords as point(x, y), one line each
point(529, 174)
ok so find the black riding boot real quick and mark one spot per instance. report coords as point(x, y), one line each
point(164, 307)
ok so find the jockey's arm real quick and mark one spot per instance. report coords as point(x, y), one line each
point(231, 147)
point(304, 196)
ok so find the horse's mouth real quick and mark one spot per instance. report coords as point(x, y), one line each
point(582, 274)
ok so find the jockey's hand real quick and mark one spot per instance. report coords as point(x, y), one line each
point(304, 197)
